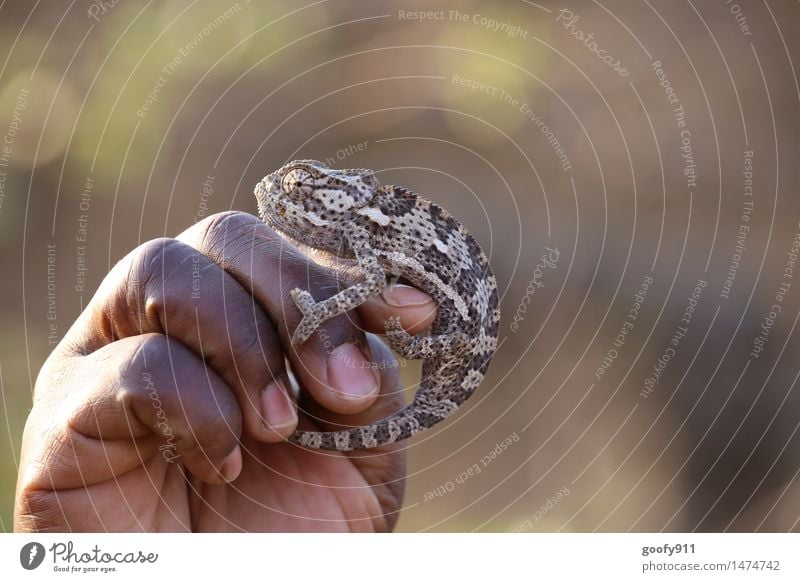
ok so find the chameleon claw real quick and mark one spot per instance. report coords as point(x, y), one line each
point(304, 301)
point(393, 327)
point(303, 332)
point(306, 304)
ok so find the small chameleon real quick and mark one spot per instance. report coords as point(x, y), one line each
point(390, 231)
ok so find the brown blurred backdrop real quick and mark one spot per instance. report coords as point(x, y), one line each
point(592, 148)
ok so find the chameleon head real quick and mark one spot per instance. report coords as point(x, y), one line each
point(307, 199)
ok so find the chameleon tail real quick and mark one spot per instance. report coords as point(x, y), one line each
point(403, 424)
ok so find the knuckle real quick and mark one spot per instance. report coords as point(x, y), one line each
point(223, 430)
point(189, 398)
point(134, 269)
point(143, 367)
point(226, 231)
point(153, 265)
point(259, 350)
point(39, 510)
point(228, 219)
point(149, 257)
point(218, 432)
point(148, 265)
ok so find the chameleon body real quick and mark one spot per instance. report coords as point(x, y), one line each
point(389, 230)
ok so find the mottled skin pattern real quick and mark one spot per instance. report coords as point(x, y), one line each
point(391, 231)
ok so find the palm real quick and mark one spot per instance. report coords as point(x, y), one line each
point(284, 488)
point(280, 488)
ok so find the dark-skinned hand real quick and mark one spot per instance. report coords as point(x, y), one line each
point(167, 404)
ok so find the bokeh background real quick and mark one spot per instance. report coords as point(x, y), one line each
point(671, 162)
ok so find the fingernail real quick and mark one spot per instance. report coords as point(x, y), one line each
point(277, 409)
point(351, 374)
point(399, 295)
point(232, 465)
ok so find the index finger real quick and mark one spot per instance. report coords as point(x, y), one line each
point(415, 309)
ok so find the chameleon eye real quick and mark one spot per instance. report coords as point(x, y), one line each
point(297, 183)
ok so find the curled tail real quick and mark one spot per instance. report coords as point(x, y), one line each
point(440, 395)
point(403, 424)
point(447, 383)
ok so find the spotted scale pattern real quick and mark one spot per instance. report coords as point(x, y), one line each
point(391, 232)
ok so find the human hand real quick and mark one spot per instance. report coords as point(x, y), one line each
point(166, 405)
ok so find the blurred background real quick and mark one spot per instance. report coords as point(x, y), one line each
point(631, 168)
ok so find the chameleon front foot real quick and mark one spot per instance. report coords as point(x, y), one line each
point(311, 320)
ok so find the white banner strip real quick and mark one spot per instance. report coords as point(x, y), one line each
point(401, 557)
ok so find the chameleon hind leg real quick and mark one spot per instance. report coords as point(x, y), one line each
point(316, 313)
point(416, 348)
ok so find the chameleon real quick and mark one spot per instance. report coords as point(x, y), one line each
point(390, 232)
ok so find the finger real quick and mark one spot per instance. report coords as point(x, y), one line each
point(168, 287)
point(415, 309)
point(270, 268)
point(144, 400)
point(390, 398)
point(383, 468)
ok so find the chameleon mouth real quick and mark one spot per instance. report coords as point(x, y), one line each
point(276, 220)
